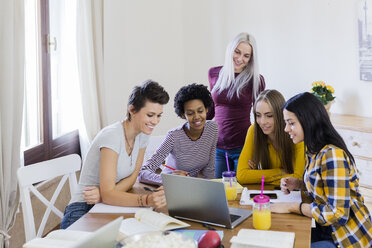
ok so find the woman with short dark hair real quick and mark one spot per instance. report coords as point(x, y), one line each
point(115, 157)
point(189, 148)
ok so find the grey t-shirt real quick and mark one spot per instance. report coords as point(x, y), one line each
point(111, 137)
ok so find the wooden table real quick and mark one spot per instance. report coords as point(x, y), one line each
point(300, 225)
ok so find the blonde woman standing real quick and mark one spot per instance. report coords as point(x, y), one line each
point(234, 87)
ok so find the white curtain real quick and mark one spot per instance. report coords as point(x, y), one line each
point(90, 64)
point(11, 107)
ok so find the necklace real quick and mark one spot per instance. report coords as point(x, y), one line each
point(126, 139)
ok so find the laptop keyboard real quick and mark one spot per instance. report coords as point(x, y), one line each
point(234, 217)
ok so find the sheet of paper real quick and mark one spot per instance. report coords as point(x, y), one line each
point(132, 226)
point(104, 208)
point(294, 196)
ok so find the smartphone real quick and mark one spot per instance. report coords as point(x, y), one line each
point(271, 195)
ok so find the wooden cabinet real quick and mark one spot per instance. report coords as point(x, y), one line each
point(357, 134)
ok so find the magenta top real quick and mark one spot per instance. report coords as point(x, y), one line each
point(232, 115)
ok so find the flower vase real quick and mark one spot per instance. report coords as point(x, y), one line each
point(328, 107)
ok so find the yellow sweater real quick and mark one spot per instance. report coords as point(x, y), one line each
point(273, 175)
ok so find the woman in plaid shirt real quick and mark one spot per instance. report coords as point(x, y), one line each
point(330, 178)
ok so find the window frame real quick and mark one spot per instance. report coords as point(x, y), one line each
point(66, 144)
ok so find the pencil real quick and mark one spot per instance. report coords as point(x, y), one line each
point(173, 168)
point(169, 167)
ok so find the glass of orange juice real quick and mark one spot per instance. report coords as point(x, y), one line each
point(261, 212)
point(229, 179)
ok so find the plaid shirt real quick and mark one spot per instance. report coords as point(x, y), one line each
point(332, 182)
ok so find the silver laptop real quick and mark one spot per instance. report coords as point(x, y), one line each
point(201, 200)
point(104, 237)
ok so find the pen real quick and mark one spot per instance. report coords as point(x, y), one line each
point(150, 189)
point(208, 226)
point(169, 167)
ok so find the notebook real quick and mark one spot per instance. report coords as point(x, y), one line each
point(105, 237)
point(201, 200)
point(251, 238)
point(239, 187)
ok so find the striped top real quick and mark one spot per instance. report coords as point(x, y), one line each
point(192, 156)
point(332, 182)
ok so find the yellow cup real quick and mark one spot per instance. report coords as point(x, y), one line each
point(261, 212)
point(262, 219)
point(231, 191)
point(229, 180)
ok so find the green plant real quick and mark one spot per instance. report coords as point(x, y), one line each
point(323, 92)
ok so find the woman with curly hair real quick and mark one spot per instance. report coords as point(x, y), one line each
point(189, 148)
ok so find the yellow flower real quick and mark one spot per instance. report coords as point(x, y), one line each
point(316, 83)
point(322, 91)
point(330, 88)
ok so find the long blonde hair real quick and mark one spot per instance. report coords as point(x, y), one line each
point(226, 78)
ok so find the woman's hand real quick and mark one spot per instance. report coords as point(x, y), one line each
point(158, 198)
point(252, 165)
point(281, 207)
point(288, 184)
point(92, 195)
point(180, 172)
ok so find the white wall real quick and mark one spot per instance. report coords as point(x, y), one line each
point(175, 42)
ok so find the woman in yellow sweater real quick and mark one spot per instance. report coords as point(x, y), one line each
point(268, 150)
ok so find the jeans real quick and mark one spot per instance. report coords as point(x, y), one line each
point(73, 212)
point(220, 160)
point(323, 244)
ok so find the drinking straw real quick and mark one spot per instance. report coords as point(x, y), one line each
point(228, 167)
point(227, 162)
point(262, 185)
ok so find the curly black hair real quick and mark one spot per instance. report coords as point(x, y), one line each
point(191, 92)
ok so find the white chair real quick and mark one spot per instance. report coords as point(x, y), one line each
point(31, 174)
point(154, 143)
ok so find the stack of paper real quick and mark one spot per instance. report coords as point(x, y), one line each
point(104, 208)
point(251, 238)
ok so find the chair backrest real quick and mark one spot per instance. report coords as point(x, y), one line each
point(31, 174)
point(154, 143)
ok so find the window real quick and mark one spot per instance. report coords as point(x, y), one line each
point(52, 108)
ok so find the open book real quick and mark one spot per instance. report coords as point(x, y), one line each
point(147, 221)
point(252, 238)
point(57, 239)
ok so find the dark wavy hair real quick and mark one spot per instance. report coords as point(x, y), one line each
point(282, 141)
point(148, 91)
point(314, 119)
point(191, 92)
